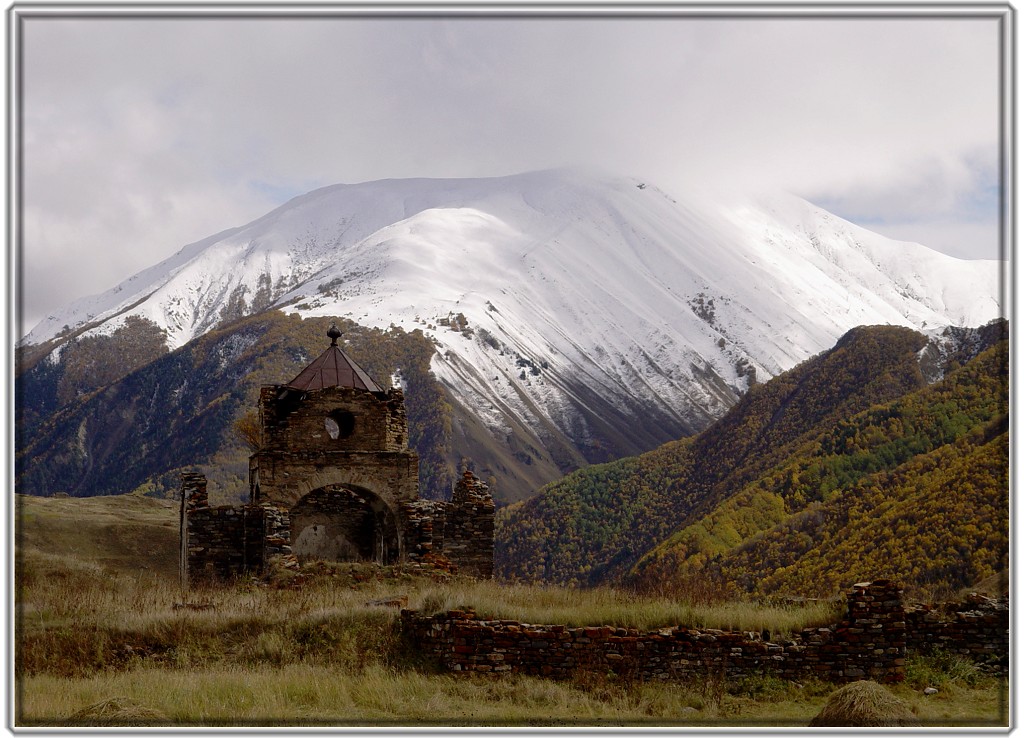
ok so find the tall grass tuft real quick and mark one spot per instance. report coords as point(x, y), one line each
point(942, 668)
point(620, 608)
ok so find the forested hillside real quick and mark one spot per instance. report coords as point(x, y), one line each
point(85, 433)
point(803, 483)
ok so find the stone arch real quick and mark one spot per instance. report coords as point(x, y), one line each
point(342, 522)
point(374, 474)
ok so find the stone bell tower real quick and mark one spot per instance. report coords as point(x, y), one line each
point(334, 479)
point(334, 453)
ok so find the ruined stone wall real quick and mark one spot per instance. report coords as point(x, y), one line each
point(469, 528)
point(193, 497)
point(869, 643)
point(276, 533)
point(218, 543)
point(341, 524)
point(457, 536)
point(978, 628)
point(461, 530)
point(216, 547)
point(222, 542)
point(424, 532)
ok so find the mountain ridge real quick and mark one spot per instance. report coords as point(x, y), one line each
point(758, 492)
point(575, 318)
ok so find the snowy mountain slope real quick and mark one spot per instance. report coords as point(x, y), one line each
point(566, 304)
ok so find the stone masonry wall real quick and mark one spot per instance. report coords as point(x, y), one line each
point(276, 533)
point(469, 528)
point(193, 496)
point(424, 532)
point(461, 531)
point(218, 543)
point(340, 524)
point(296, 420)
point(978, 628)
point(283, 478)
point(869, 643)
point(222, 542)
point(298, 453)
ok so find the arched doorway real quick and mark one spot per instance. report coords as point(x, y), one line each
point(344, 523)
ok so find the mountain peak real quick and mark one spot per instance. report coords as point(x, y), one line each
point(568, 304)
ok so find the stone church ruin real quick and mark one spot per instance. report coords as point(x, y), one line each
point(334, 479)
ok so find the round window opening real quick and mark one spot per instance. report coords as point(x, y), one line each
point(340, 424)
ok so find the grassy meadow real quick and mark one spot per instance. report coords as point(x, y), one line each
point(105, 636)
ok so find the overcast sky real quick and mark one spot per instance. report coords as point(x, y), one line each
point(143, 135)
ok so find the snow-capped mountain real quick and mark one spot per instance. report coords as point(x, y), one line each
point(566, 303)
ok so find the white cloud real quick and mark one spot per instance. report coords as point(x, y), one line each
point(143, 135)
point(963, 239)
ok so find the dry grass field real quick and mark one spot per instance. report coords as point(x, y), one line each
point(106, 637)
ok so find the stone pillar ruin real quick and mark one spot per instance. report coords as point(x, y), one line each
point(424, 532)
point(193, 497)
point(469, 528)
point(874, 633)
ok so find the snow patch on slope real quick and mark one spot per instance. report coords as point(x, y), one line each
point(546, 290)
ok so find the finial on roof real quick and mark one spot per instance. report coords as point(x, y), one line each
point(334, 334)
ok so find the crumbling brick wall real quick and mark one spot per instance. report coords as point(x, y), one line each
point(218, 543)
point(460, 530)
point(869, 643)
point(424, 533)
point(469, 528)
point(276, 533)
point(978, 628)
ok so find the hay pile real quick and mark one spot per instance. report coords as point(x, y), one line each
point(864, 705)
point(117, 711)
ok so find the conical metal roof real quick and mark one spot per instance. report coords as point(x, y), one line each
point(333, 368)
